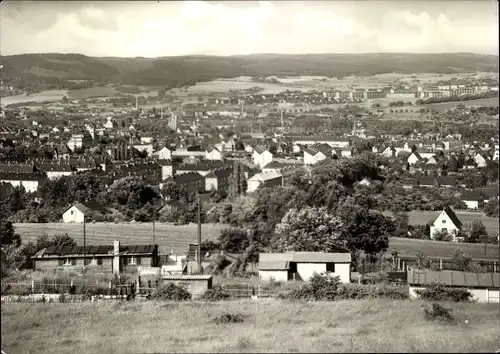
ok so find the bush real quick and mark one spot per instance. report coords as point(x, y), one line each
point(217, 293)
point(228, 318)
point(438, 313)
point(171, 291)
point(439, 292)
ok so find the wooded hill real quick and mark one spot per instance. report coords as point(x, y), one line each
point(54, 70)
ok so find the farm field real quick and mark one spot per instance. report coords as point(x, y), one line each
point(104, 91)
point(45, 96)
point(268, 326)
point(167, 236)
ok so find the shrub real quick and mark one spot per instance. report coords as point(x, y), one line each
point(217, 293)
point(228, 318)
point(438, 313)
point(171, 291)
point(359, 291)
point(439, 292)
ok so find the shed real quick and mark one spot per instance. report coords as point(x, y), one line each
point(303, 265)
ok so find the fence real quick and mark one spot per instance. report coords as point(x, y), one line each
point(72, 288)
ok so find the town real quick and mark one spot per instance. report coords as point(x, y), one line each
point(348, 201)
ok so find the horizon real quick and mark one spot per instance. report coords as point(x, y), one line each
point(238, 28)
point(253, 54)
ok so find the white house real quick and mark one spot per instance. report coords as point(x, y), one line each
point(312, 157)
point(414, 158)
point(446, 221)
point(164, 153)
point(261, 157)
point(214, 154)
point(303, 265)
point(265, 179)
point(473, 199)
point(77, 212)
point(483, 286)
point(147, 139)
point(480, 160)
point(29, 181)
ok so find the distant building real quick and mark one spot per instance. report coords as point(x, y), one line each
point(264, 179)
point(76, 213)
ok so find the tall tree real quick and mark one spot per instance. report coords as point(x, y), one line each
point(309, 230)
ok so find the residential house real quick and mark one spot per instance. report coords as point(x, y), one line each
point(366, 182)
point(414, 158)
point(261, 157)
point(192, 181)
point(313, 156)
point(80, 211)
point(303, 265)
point(146, 139)
point(218, 180)
point(164, 153)
point(29, 181)
point(473, 199)
point(446, 221)
point(55, 171)
point(264, 179)
point(167, 169)
point(481, 160)
point(214, 154)
point(107, 259)
point(484, 287)
point(446, 181)
point(345, 152)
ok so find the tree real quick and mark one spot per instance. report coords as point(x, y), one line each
point(65, 100)
point(366, 230)
point(310, 230)
point(463, 262)
point(62, 240)
point(442, 235)
point(401, 223)
point(491, 208)
point(84, 187)
point(8, 235)
point(477, 232)
point(237, 181)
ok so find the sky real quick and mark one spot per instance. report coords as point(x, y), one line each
point(161, 28)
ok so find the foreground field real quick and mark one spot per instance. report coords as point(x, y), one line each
point(167, 236)
point(344, 326)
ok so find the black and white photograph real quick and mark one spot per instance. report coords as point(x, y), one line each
point(249, 176)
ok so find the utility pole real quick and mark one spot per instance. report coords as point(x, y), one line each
point(84, 243)
point(199, 232)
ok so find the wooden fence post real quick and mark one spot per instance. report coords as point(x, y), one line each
point(32, 286)
point(440, 264)
point(494, 267)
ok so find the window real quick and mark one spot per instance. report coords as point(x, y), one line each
point(131, 260)
point(71, 212)
point(69, 262)
point(444, 221)
point(330, 267)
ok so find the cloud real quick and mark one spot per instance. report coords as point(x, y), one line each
point(198, 27)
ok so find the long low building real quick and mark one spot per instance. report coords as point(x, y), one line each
point(484, 287)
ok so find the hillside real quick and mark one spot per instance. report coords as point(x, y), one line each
point(57, 69)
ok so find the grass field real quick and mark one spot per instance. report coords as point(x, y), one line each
point(422, 217)
point(167, 236)
point(270, 326)
point(178, 238)
point(103, 91)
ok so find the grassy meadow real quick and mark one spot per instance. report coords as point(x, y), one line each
point(422, 217)
point(268, 326)
point(178, 237)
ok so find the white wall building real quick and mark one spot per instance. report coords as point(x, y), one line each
point(303, 265)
